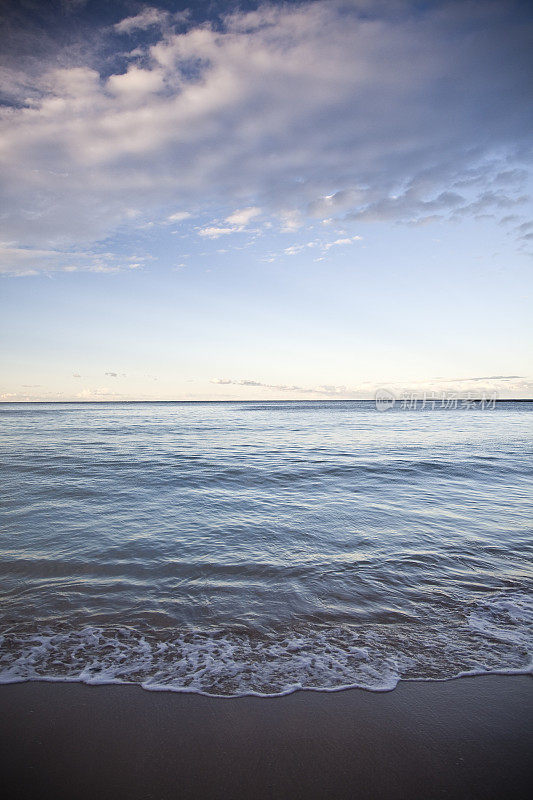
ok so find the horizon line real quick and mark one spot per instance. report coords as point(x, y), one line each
point(288, 400)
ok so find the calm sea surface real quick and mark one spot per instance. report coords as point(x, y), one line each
point(235, 548)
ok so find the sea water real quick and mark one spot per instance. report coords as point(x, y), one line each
point(261, 547)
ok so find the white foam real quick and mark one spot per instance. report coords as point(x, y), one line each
point(505, 618)
point(491, 636)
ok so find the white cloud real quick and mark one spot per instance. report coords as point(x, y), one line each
point(290, 220)
point(345, 241)
point(213, 232)
point(432, 388)
point(179, 216)
point(327, 109)
point(293, 249)
point(238, 221)
point(147, 18)
point(23, 261)
point(324, 390)
point(98, 393)
point(136, 83)
point(242, 218)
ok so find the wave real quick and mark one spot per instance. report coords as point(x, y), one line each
point(493, 635)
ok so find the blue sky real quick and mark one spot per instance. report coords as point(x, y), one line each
point(223, 201)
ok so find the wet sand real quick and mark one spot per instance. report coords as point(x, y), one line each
point(467, 738)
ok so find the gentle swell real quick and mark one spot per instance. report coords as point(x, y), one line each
point(248, 548)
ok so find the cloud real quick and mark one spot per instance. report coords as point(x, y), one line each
point(24, 261)
point(179, 216)
point(98, 394)
point(490, 200)
point(483, 378)
point(344, 242)
point(502, 386)
point(293, 249)
point(322, 207)
point(213, 232)
point(409, 206)
point(325, 389)
point(18, 397)
point(237, 221)
point(136, 84)
point(499, 385)
point(331, 110)
point(291, 220)
point(148, 18)
point(524, 231)
point(243, 217)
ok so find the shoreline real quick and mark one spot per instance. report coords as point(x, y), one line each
point(526, 672)
point(466, 737)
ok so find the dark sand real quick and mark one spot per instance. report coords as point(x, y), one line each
point(468, 738)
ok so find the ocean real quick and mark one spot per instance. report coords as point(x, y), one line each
point(262, 547)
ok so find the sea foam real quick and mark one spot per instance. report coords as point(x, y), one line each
point(494, 636)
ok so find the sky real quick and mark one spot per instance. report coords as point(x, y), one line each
point(299, 200)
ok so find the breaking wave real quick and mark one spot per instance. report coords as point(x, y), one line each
point(493, 635)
